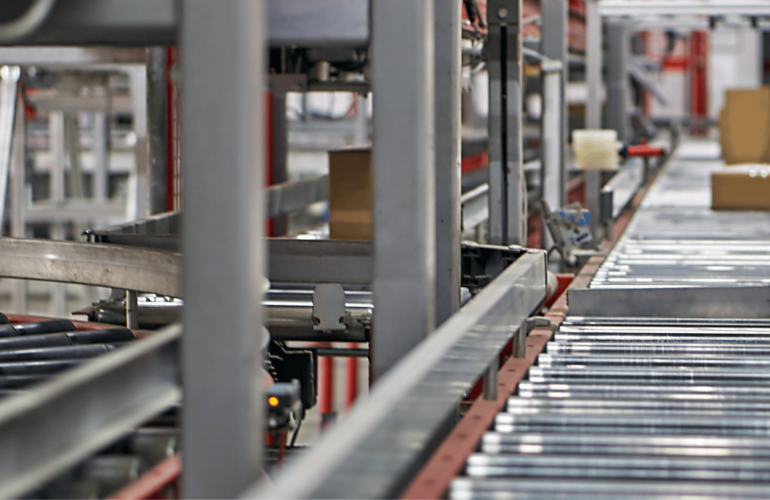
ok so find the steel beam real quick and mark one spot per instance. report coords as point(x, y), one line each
point(280, 157)
point(223, 60)
point(507, 188)
point(97, 403)
point(617, 76)
point(554, 38)
point(378, 450)
point(157, 127)
point(403, 178)
point(593, 182)
point(87, 264)
point(636, 8)
point(447, 132)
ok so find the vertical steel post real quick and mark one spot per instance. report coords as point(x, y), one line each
point(157, 127)
point(554, 36)
point(403, 178)
point(507, 189)
point(223, 64)
point(19, 196)
point(280, 155)
point(57, 195)
point(593, 179)
point(618, 46)
point(101, 158)
point(138, 78)
point(447, 133)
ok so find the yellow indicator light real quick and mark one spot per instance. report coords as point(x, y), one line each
point(272, 401)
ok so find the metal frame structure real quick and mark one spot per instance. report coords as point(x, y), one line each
point(223, 245)
point(507, 189)
point(403, 178)
point(417, 399)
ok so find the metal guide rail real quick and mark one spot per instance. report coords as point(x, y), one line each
point(675, 239)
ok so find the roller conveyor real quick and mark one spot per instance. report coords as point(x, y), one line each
point(636, 407)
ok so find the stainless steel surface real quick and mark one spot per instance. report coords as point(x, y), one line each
point(100, 265)
point(676, 240)
point(9, 84)
point(555, 32)
point(85, 403)
point(647, 392)
point(618, 48)
point(373, 454)
point(593, 65)
point(321, 261)
point(288, 197)
point(625, 184)
point(653, 300)
point(403, 179)
point(507, 188)
point(447, 26)
point(344, 23)
point(223, 143)
point(696, 8)
point(157, 128)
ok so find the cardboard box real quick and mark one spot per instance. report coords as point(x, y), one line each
point(741, 190)
point(744, 126)
point(350, 194)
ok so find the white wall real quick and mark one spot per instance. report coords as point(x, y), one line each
point(735, 61)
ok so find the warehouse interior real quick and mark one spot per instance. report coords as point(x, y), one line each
point(415, 249)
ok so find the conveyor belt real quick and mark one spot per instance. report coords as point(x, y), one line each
point(647, 407)
point(675, 239)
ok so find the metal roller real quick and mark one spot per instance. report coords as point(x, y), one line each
point(653, 349)
point(657, 376)
point(36, 328)
point(642, 390)
point(586, 489)
point(110, 335)
point(619, 467)
point(612, 361)
point(524, 406)
point(50, 353)
point(627, 444)
point(643, 423)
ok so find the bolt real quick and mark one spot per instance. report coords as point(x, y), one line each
point(502, 13)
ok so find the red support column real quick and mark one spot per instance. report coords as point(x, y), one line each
point(351, 392)
point(327, 388)
point(698, 88)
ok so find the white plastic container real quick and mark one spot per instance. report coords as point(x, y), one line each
point(596, 149)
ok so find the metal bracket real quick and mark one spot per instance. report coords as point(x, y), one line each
point(329, 307)
point(520, 339)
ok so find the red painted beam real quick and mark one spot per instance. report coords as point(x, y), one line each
point(162, 481)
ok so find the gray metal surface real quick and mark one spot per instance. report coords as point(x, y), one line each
point(447, 25)
point(52, 427)
point(676, 240)
point(648, 392)
point(554, 38)
point(157, 128)
point(507, 189)
point(633, 8)
point(624, 184)
point(698, 302)
point(403, 178)
point(618, 49)
point(332, 23)
point(285, 198)
point(605, 405)
point(320, 261)
point(224, 255)
point(100, 265)
point(376, 452)
point(9, 84)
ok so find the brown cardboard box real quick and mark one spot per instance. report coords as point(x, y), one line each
point(740, 190)
point(350, 194)
point(744, 126)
